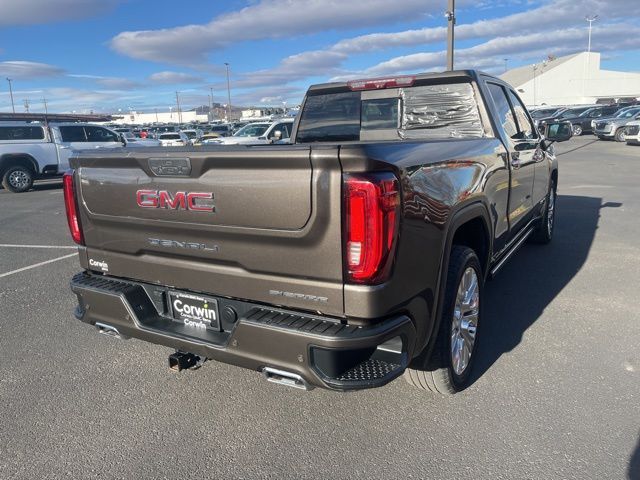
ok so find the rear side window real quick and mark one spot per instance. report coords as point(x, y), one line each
point(98, 134)
point(284, 128)
point(72, 134)
point(503, 109)
point(525, 127)
point(21, 133)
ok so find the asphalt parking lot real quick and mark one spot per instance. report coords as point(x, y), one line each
point(556, 395)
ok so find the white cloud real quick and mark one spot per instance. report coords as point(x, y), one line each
point(266, 19)
point(172, 78)
point(611, 37)
point(20, 69)
point(118, 83)
point(32, 12)
point(554, 14)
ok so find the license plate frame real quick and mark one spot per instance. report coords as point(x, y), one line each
point(199, 312)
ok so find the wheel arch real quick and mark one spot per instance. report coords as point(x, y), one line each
point(466, 220)
point(10, 159)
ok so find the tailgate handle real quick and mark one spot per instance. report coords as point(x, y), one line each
point(170, 167)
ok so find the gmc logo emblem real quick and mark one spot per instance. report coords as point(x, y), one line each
point(195, 201)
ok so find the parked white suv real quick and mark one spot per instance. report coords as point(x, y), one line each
point(34, 150)
point(258, 133)
point(632, 133)
point(174, 139)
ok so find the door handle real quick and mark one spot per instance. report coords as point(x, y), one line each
point(62, 147)
point(515, 160)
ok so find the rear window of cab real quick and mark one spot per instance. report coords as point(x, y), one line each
point(17, 133)
point(419, 112)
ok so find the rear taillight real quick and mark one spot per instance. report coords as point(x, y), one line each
point(371, 216)
point(71, 205)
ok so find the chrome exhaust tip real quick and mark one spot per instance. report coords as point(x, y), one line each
point(287, 379)
point(110, 331)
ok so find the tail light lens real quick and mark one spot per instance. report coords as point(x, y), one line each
point(371, 216)
point(71, 206)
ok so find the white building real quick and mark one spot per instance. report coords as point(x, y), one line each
point(172, 116)
point(574, 79)
point(260, 113)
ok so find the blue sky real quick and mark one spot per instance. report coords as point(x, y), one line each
point(105, 55)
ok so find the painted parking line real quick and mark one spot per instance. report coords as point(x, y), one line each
point(36, 265)
point(7, 245)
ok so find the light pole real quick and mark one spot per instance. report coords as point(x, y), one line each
point(535, 68)
point(13, 107)
point(590, 19)
point(506, 60)
point(179, 111)
point(450, 15)
point(228, 93)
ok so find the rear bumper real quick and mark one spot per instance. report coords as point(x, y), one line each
point(325, 352)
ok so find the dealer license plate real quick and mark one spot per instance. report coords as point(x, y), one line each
point(195, 311)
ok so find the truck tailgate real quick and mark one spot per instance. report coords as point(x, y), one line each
point(244, 222)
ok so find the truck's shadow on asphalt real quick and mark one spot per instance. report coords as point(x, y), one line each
point(518, 295)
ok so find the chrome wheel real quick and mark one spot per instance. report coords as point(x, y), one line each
point(551, 207)
point(577, 130)
point(19, 179)
point(465, 321)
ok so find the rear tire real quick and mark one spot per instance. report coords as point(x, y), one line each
point(543, 233)
point(448, 369)
point(17, 179)
point(577, 130)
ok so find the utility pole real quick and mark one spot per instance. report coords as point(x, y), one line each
point(228, 93)
point(450, 15)
point(211, 104)
point(506, 61)
point(13, 107)
point(156, 110)
point(179, 111)
point(46, 110)
point(590, 19)
point(26, 105)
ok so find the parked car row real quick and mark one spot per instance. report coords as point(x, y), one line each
point(617, 122)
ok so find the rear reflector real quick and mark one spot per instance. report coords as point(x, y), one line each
point(371, 208)
point(378, 83)
point(71, 206)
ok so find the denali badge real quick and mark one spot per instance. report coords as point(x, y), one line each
point(159, 242)
point(298, 296)
point(195, 201)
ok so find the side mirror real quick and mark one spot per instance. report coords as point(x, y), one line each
point(558, 131)
point(122, 139)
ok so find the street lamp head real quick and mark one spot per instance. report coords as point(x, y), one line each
point(591, 18)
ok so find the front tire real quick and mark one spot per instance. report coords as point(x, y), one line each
point(577, 130)
point(17, 179)
point(620, 135)
point(448, 369)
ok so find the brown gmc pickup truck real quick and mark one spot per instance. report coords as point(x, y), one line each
point(353, 254)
